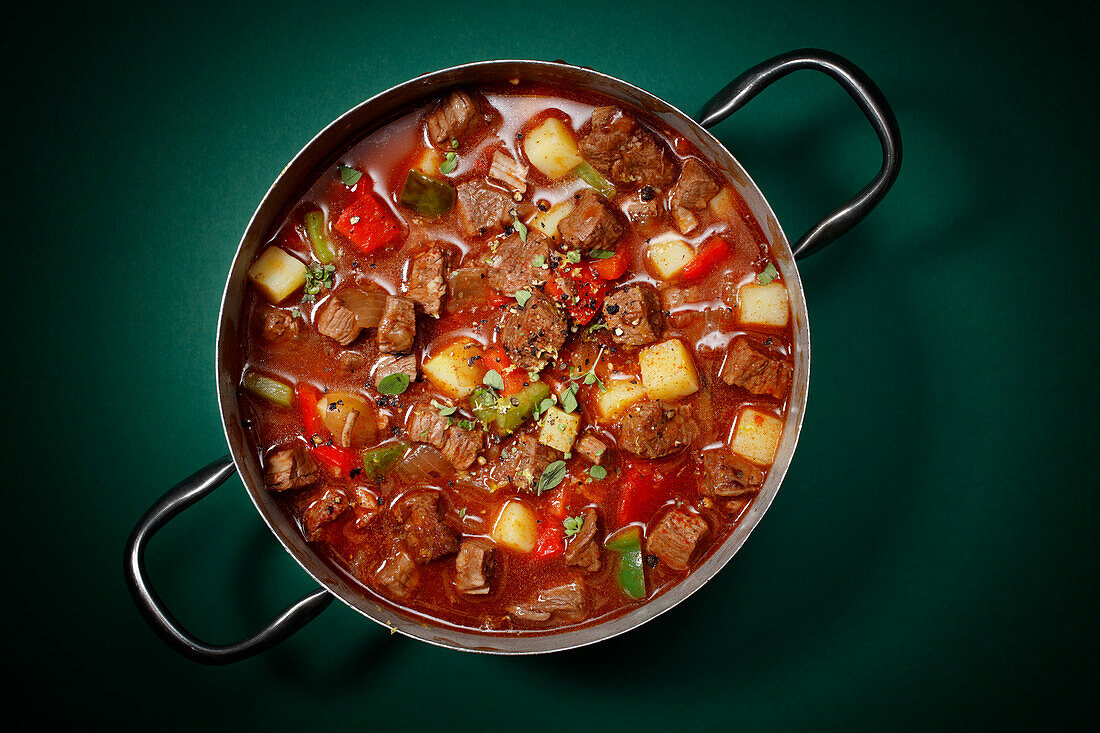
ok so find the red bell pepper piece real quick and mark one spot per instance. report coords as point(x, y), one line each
point(578, 281)
point(613, 267)
point(343, 460)
point(714, 251)
point(308, 396)
point(514, 379)
point(497, 298)
point(644, 490)
point(551, 541)
point(367, 223)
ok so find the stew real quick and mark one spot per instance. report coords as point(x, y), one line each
point(519, 361)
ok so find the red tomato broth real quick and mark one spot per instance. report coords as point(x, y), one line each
point(708, 324)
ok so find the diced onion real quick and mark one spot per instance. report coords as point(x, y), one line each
point(367, 305)
point(422, 464)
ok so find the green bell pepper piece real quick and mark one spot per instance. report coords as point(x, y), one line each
point(507, 413)
point(380, 459)
point(592, 177)
point(270, 389)
point(318, 237)
point(627, 544)
point(426, 195)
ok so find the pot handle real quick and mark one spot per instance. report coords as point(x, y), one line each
point(865, 93)
point(178, 498)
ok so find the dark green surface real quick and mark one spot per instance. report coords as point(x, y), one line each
point(930, 561)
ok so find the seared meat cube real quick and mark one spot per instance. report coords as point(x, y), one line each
point(290, 468)
point(646, 208)
point(428, 279)
point(591, 449)
point(351, 361)
point(338, 322)
point(583, 550)
point(424, 424)
point(456, 117)
point(322, 510)
point(526, 459)
point(505, 169)
point(633, 315)
point(392, 364)
point(366, 506)
point(516, 264)
point(397, 329)
point(727, 474)
point(533, 333)
point(749, 365)
point(398, 573)
point(657, 429)
point(590, 224)
point(624, 151)
point(695, 188)
point(675, 538)
point(482, 208)
point(566, 599)
point(279, 325)
point(474, 566)
point(425, 535)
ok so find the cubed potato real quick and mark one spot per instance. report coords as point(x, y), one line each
point(559, 429)
point(429, 161)
point(723, 206)
point(669, 257)
point(277, 274)
point(335, 407)
point(550, 148)
point(516, 527)
point(756, 436)
point(451, 370)
point(547, 221)
point(620, 395)
point(668, 371)
point(763, 305)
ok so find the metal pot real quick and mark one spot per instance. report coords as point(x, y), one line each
point(320, 153)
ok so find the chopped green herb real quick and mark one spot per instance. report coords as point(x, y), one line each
point(454, 143)
point(522, 296)
point(444, 410)
point(395, 383)
point(551, 477)
point(349, 176)
point(600, 254)
point(493, 379)
point(767, 275)
point(296, 312)
point(573, 525)
point(466, 424)
point(573, 256)
point(521, 228)
point(539, 261)
point(597, 472)
point(318, 276)
point(569, 398)
point(596, 327)
point(462, 513)
point(450, 162)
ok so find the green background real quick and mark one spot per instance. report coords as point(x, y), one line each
point(930, 562)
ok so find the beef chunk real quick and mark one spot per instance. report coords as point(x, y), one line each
point(566, 599)
point(533, 333)
point(322, 510)
point(590, 224)
point(290, 468)
point(751, 366)
point(633, 315)
point(482, 208)
point(338, 322)
point(675, 537)
point(474, 566)
point(592, 449)
point(424, 424)
point(425, 535)
point(351, 361)
point(624, 151)
point(398, 573)
point(583, 550)
point(279, 325)
point(456, 117)
point(516, 264)
point(645, 211)
point(695, 188)
point(392, 364)
point(366, 506)
point(727, 474)
point(657, 429)
point(526, 459)
point(397, 329)
point(427, 282)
